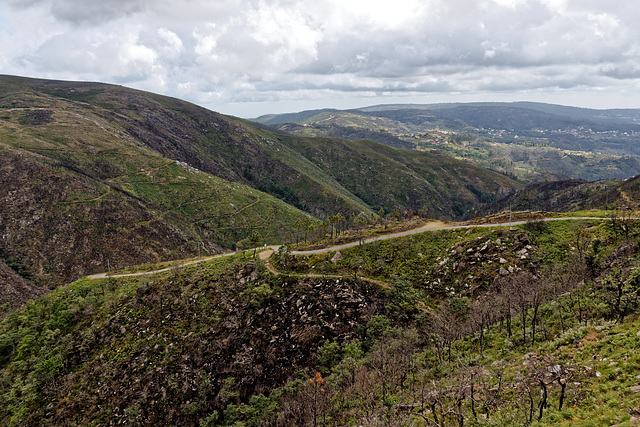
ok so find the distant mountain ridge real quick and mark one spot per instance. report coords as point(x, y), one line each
point(627, 115)
point(531, 141)
point(623, 115)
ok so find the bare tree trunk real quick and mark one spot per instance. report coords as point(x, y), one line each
point(543, 400)
point(563, 386)
point(524, 326)
point(533, 323)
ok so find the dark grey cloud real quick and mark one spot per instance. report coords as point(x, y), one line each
point(82, 12)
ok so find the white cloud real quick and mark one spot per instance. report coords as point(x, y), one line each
point(173, 46)
point(284, 33)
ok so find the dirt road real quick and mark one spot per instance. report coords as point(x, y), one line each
point(266, 254)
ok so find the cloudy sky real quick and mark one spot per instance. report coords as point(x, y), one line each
point(253, 57)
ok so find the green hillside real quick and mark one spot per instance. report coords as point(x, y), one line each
point(533, 142)
point(99, 176)
point(449, 333)
point(81, 195)
point(389, 178)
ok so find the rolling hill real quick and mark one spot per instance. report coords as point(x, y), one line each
point(98, 176)
point(531, 141)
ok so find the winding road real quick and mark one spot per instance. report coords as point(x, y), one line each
point(266, 254)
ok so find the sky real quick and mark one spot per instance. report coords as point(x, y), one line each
point(253, 57)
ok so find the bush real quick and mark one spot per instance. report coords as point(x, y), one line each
point(536, 227)
point(329, 355)
point(377, 326)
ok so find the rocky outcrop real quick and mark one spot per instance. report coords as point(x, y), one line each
point(473, 265)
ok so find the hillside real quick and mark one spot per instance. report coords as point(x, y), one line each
point(530, 324)
point(531, 141)
point(571, 195)
point(345, 132)
point(389, 178)
point(97, 176)
point(449, 331)
point(63, 219)
point(15, 290)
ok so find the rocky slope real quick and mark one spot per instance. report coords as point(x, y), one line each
point(165, 350)
point(97, 176)
point(15, 290)
point(226, 341)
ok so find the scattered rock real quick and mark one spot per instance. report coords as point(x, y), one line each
point(337, 257)
point(503, 261)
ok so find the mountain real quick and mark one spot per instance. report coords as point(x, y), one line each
point(531, 141)
point(492, 326)
point(96, 176)
point(526, 324)
point(390, 178)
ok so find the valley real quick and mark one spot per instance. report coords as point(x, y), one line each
point(163, 264)
point(529, 141)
